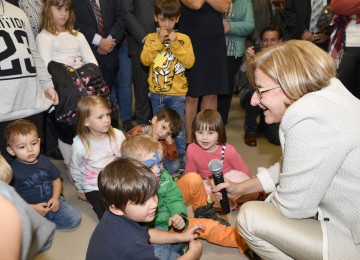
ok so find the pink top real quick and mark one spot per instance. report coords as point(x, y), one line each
point(197, 160)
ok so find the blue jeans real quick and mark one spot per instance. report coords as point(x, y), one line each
point(166, 251)
point(122, 90)
point(176, 103)
point(65, 217)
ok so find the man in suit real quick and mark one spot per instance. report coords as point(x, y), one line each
point(139, 18)
point(297, 22)
point(103, 41)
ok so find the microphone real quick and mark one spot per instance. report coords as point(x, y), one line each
point(215, 167)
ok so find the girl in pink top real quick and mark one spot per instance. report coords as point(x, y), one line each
point(208, 132)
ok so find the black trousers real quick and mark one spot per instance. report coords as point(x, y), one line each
point(93, 197)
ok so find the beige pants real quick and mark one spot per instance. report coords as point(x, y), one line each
point(272, 236)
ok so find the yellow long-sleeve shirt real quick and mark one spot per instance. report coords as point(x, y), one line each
point(167, 64)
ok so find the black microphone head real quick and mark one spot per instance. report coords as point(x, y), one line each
point(215, 166)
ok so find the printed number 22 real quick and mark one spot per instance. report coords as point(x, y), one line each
point(10, 50)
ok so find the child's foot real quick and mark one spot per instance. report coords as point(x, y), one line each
point(209, 212)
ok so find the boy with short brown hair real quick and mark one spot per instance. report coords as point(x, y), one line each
point(36, 178)
point(129, 192)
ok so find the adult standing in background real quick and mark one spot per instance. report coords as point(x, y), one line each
point(102, 23)
point(26, 86)
point(139, 19)
point(202, 21)
point(301, 19)
point(238, 23)
point(313, 209)
point(349, 68)
point(32, 9)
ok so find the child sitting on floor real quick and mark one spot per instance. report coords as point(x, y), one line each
point(173, 197)
point(36, 178)
point(164, 125)
point(128, 190)
point(209, 136)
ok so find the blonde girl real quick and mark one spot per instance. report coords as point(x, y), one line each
point(67, 56)
point(6, 173)
point(95, 146)
point(209, 142)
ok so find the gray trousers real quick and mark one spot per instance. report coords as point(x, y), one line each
point(272, 236)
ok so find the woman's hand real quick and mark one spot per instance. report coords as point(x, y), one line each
point(231, 189)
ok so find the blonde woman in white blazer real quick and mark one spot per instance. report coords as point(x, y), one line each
point(313, 210)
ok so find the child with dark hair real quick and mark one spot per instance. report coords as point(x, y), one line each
point(209, 142)
point(128, 190)
point(164, 126)
point(169, 54)
point(36, 178)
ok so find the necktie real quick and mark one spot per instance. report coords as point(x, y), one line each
point(316, 10)
point(98, 17)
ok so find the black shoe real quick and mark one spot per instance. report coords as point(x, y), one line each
point(250, 139)
point(177, 175)
point(56, 154)
point(209, 212)
point(127, 125)
point(251, 254)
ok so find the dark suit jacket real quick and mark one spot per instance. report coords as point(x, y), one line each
point(114, 25)
point(139, 18)
point(297, 18)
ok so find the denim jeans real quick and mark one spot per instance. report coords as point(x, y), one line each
point(65, 217)
point(171, 166)
point(166, 251)
point(122, 90)
point(176, 103)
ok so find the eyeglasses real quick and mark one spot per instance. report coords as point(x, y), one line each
point(259, 91)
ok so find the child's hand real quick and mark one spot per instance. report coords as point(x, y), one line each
point(53, 204)
point(172, 36)
point(41, 208)
point(195, 249)
point(162, 33)
point(81, 195)
point(177, 222)
point(169, 140)
point(192, 232)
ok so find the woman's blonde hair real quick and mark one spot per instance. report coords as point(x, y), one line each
point(6, 173)
point(47, 21)
point(83, 111)
point(139, 146)
point(298, 66)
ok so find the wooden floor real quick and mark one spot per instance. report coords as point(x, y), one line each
point(72, 244)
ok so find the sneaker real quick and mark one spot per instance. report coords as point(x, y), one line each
point(209, 212)
point(183, 248)
point(177, 175)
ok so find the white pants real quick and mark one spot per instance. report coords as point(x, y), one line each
point(272, 236)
